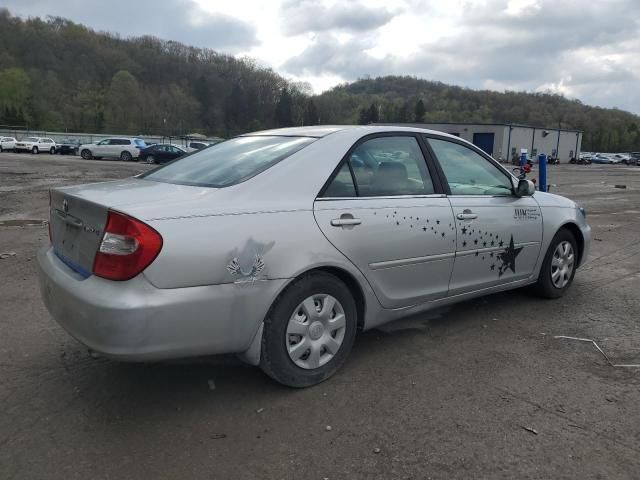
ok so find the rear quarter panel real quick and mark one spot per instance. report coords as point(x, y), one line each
point(217, 249)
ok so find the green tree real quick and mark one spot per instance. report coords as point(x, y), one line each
point(372, 114)
point(123, 103)
point(311, 113)
point(14, 94)
point(284, 109)
point(419, 112)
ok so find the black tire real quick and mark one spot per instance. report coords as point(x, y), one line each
point(86, 154)
point(126, 156)
point(275, 360)
point(150, 159)
point(52, 151)
point(35, 151)
point(0, 148)
point(545, 286)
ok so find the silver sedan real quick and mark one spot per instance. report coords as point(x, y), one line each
point(281, 245)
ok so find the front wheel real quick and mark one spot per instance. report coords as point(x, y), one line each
point(86, 154)
point(559, 266)
point(34, 150)
point(125, 156)
point(52, 151)
point(309, 331)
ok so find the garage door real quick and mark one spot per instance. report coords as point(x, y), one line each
point(484, 141)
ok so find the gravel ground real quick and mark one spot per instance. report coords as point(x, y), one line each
point(481, 390)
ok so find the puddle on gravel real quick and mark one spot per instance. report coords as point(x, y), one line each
point(22, 223)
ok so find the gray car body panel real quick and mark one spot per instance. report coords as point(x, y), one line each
point(229, 252)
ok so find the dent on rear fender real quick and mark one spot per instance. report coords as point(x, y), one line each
point(248, 263)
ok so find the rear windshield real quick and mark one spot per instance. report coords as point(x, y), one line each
point(228, 162)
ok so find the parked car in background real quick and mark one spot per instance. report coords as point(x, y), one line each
point(161, 153)
point(198, 145)
point(206, 255)
point(126, 149)
point(36, 145)
point(7, 143)
point(601, 158)
point(621, 158)
point(68, 147)
point(634, 158)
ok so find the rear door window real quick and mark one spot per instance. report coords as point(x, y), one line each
point(386, 166)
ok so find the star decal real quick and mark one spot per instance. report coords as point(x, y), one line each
point(442, 234)
point(493, 267)
point(438, 222)
point(508, 258)
point(464, 230)
point(501, 243)
point(424, 229)
point(464, 244)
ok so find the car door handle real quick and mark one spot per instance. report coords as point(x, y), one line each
point(467, 216)
point(345, 222)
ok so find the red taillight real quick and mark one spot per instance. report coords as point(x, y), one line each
point(128, 247)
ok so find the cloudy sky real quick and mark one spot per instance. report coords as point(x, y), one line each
point(586, 49)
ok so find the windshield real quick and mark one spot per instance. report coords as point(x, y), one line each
point(139, 143)
point(229, 162)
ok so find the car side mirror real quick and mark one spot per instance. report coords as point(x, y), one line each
point(525, 188)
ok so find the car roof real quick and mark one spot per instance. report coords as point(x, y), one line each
point(324, 130)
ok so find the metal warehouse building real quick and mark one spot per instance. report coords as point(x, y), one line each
point(504, 141)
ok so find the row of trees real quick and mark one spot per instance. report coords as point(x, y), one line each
point(58, 75)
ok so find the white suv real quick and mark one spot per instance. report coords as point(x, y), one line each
point(7, 143)
point(35, 145)
point(125, 149)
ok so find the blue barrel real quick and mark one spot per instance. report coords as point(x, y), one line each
point(542, 168)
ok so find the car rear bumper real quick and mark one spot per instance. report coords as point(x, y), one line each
point(136, 321)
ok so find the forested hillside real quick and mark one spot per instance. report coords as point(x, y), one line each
point(408, 99)
point(58, 75)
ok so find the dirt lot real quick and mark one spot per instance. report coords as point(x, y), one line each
point(482, 390)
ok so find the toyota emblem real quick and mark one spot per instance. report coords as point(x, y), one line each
point(65, 205)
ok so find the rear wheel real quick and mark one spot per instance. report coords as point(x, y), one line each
point(86, 154)
point(559, 266)
point(150, 159)
point(34, 150)
point(309, 331)
point(0, 148)
point(125, 156)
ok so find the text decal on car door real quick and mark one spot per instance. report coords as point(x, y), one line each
point(526, 213)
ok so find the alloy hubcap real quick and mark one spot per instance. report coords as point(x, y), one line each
point(315, 331)
point(562, 264)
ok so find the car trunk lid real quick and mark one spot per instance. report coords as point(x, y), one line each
point(76, 226)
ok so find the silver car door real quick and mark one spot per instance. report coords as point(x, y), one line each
point(499, 234)
point(391, 222)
